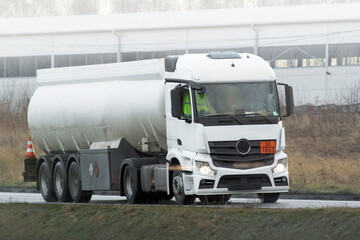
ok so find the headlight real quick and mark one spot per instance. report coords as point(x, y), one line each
point(204, 168)
point(281, 166)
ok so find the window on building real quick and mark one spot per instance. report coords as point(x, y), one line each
point(294, 56)
point(162, 54)
point(283, 57)
point(128, 56)
point(268, 54)
point(28, 66)
point(353, 54)
point(2, 67)
point(109, 57)
point(316, 55)
point(337, 54)
point(78, 60)
point(62, 61)
point(94, 59)
point(245, 50)
point(199, 50)
point(12, 67)
point(145, 55)
point(300, 56)
point(43, 62)
point(177, 52)
point(344, 54)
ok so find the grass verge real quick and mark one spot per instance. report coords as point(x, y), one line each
point(70, 221)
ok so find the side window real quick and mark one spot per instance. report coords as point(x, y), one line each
point(181, 103)
point(186, 103)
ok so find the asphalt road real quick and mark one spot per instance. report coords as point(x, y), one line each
point(15, 197)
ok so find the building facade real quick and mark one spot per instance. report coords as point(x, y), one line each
point(315, 48)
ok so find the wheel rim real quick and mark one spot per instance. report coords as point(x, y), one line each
point(74, 181)
point(59, 183)
point(129, 184)
point(178, 185)
point(44, 182)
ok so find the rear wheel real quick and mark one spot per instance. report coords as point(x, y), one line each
point(215, 199)
point(60, 183)
point(75, 187)
point(179, 191)
point(131, 185)
point(46, 183)
point(269, 197)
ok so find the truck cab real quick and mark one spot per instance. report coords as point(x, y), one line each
point(229, 139)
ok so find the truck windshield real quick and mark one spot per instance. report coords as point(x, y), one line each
point(237, 100)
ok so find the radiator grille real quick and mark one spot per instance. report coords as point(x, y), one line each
point(225, 154)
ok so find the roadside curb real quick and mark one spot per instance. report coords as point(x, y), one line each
point(282, 196)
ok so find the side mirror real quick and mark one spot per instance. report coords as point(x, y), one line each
point(176, 103)
point(286, 104)
point(289, 95)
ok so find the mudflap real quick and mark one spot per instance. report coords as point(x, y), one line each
point(30, 170)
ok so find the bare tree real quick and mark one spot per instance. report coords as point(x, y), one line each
point(39, 8)
point(84, 7)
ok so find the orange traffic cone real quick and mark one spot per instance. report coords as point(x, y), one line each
point(30, 153)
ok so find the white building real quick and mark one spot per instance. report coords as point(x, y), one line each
point(315, 48)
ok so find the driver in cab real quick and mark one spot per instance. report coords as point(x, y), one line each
point(202, 104)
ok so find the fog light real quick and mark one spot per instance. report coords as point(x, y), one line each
point(204, 168)
point(281, 166)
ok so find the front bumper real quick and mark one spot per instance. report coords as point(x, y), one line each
point(234, 181)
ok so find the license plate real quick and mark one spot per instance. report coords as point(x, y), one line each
point(267, 147)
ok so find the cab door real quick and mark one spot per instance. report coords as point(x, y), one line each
point(180, 129)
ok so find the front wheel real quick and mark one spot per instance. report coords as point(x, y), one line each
point(179, 191)
point(46, 183)
point(269, 197)
point(75, 187)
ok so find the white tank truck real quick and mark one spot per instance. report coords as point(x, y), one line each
point(123, 127)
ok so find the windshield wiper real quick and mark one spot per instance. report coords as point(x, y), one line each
point(259, 114)
point(224, 115)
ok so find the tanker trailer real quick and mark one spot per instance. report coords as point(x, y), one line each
point(197, 125)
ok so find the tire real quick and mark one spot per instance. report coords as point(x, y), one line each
point(60, 183)
point(178, 190)
point(132, 189)
point(46, 184)
point(75, 187)
point(215, 199)
point(269, 197)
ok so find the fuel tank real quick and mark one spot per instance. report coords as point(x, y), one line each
point(99, 105)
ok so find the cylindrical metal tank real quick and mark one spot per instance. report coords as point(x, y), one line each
point(69, 117)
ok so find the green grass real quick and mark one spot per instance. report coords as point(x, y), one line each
point(315, 188)
point(70, 221)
